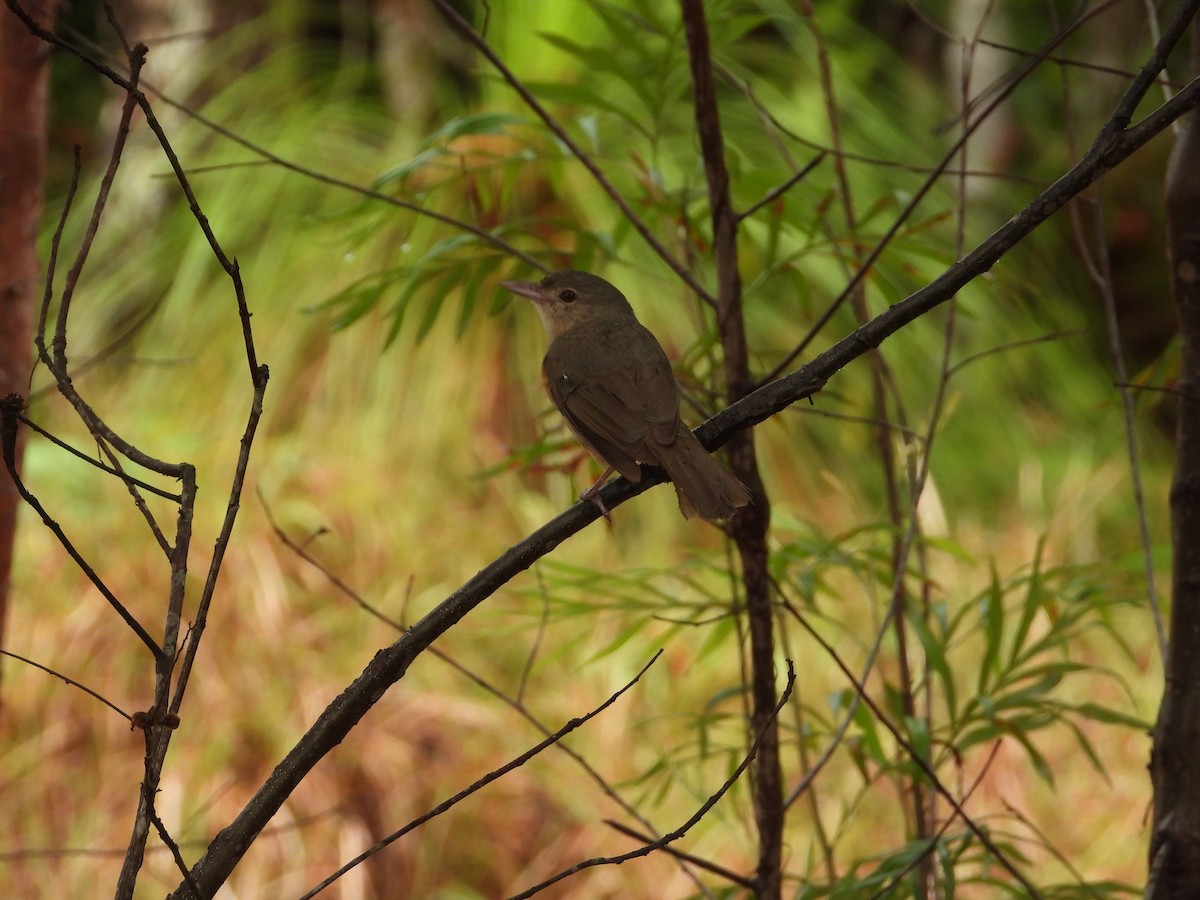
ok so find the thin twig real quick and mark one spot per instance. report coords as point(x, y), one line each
point(109, 852)
point(71, 681)
point(1001, 94)
point(9, 410)
point(136, 60)
point(775, 193)
point(91, 461)
point(483, 782)
point(56, 242)
point(683, 829)
point(169, 842)
point(1063, 858)
point(513, 703)
point(157, 737)
point(1098, 265)
point(391, 663)
point(728, 874)
point(464, 28)
point(1067, 62)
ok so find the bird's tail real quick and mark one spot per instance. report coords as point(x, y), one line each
point(703, 486)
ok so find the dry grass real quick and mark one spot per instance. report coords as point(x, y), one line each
point(384, 454)
point(378, 457)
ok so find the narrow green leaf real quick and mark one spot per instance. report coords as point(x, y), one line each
point(1031, 605)
point(935, 657)
point(991, 614)
point(475, 123)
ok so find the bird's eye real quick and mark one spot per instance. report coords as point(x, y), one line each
point(567, 296)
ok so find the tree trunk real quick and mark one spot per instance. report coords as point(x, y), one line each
point(1174, 766)
point(24, 70)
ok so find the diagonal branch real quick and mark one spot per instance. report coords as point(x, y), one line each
point(549, 741)
point(390, 664)
point(683, 829)
point(10, 409)
point(465, 29)
point(1112, 134)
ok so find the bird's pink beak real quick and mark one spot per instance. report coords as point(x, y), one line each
point(530, 290)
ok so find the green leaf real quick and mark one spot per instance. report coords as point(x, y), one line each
point(1098, 713)
point(1031, 606)
point(481, 273)
point(401, 172)
point(1040, 766)
point(355, 301)
point(868, 734)
point(991, 615)
point(935, 658)
point(475, 123)
point(919, 737)
point(443, 285)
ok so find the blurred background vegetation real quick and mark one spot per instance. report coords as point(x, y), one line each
point(407, 442)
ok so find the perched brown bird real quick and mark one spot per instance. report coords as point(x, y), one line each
point(612, 382)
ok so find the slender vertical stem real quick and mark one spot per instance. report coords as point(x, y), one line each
point(749, 527)
point(1174, 850)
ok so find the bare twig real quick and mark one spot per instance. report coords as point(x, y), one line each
point(513, 703)
point(391, 663)
point(71, 681)
point(169, 843)
point(700, 863)
point(464, 28)
point(159, 728)
point(1001, 93)
point(91, 461)
point(10, 407)
point(682, 829)
point(775, 193)
point(483, 782)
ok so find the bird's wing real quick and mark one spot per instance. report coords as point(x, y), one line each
point(655, 385)
point(616, 390)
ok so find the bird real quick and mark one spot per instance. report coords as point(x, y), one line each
point(611, 380)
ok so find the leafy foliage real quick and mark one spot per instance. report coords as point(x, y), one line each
point(1018, 649)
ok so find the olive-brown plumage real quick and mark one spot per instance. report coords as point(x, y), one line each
point(612, 382)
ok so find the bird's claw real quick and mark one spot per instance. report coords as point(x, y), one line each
point(592, 495)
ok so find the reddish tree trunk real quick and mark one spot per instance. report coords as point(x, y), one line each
point(24, 72)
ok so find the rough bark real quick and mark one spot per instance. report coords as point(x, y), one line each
point(1174, 768)
point(750, 526)
point(24, 71)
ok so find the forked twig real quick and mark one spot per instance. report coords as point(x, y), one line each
point(464, 28)
point(687, 826)
point(483, 782)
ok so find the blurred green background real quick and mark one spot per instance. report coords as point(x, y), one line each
point(406, 442)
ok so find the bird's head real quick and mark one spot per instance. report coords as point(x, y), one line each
point(569, 298)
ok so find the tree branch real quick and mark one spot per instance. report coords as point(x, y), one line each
point(464, 28)
point(390, 664)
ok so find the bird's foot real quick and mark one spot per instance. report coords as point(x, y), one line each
point(592, 495)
